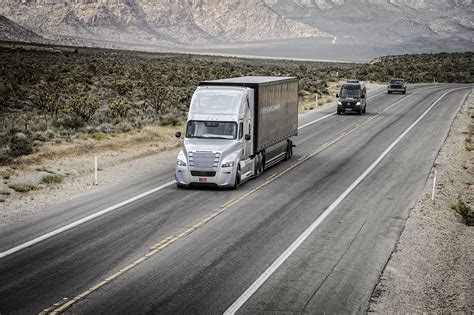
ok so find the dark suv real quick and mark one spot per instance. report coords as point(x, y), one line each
point(352, 97)
point(397, 85)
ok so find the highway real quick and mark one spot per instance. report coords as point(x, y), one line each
point(311, 235)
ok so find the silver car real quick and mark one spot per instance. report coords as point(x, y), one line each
point(397, 85)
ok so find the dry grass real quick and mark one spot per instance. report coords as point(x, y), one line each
point(308, 102)
point(158, 136)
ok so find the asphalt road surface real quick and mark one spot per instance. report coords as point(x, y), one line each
point(352, 181)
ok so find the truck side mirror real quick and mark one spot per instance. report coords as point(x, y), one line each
point(178, 134)
point(337, 95)
point(247, 137)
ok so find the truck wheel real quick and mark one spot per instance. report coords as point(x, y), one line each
point(360, 112)
point(237, 178)
point(260, 163)
point(178, 185)
point(289, 150)
point(389, 92)
point(365, 107)
point(405, 91)
point(338, 112)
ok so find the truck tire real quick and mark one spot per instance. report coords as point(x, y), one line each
point(338, 112)
point(405, 91)
point(289, 150)
point(365, 107)
point(359, 112)
point(180, 186)
point(237, 178)
point(260, 163)
point(389, 92)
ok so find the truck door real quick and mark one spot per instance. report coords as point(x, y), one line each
point(248, 131)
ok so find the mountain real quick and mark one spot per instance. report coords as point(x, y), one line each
point(150, 22)
point(436, 23)
point(354, 30)
point(11, 31)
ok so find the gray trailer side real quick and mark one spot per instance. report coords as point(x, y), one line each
point(275, 110)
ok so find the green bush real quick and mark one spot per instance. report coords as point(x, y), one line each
point(169, 120)
point(118, 108)
point(20, 145)
point(52, 179)
point(466, 213)
point(99, 136)
point(69, 122)
point(22, 187)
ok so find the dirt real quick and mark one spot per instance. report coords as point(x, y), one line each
point(118, 160)
point(431, 269)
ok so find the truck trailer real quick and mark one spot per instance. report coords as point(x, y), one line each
point(237, 128)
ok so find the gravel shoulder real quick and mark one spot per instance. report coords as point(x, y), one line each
point(431, 268)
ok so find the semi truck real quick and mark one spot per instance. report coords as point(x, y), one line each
point(236, 128)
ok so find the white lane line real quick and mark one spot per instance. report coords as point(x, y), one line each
point(334, 113)
point(81, 221)
point(284, 256)
point(315, 121)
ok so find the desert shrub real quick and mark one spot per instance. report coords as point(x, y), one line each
point(20, 145)
point(105, 128)
point(22, 187)
point(5, 158)
point(124, 127)
point(83, 107)
point(465, 212)
point(69, 122)
point(52, 179)
point(169, 120)
point(99, 136)
point(118, 108)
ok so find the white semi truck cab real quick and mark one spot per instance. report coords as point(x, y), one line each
point(237, 128)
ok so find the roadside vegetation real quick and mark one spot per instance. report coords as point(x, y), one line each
point(464, 211)
point(54, 95)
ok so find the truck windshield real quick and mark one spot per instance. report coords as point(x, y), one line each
point(396, 82)
point(350, 91)
point(211, 129)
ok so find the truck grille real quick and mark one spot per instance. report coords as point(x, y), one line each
point(349, 103)
point(203, 173)
point(204, 160)
point(396, 86)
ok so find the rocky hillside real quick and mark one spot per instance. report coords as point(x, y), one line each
point(148, 22)
point(444, 23)
point(11, 31)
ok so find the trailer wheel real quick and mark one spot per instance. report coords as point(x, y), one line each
point(237, 178)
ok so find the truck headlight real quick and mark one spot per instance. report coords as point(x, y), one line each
point(180, 163)
point(228, 164)
point(339, 103)
point(358, 104)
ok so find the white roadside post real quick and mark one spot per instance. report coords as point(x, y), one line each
point(434, 185)
point(317, 100)
point(95, 170)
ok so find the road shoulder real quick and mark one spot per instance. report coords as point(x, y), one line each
point(430, 269)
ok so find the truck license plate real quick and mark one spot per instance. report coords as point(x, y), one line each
point(202, 179)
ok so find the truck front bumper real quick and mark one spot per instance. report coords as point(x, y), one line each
point(349, 108)
point(220, 179)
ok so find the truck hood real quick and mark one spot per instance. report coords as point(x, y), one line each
point(215, 145)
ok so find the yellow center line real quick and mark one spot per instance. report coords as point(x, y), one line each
point(66, 303)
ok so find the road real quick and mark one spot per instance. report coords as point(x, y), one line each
point(199, 250)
